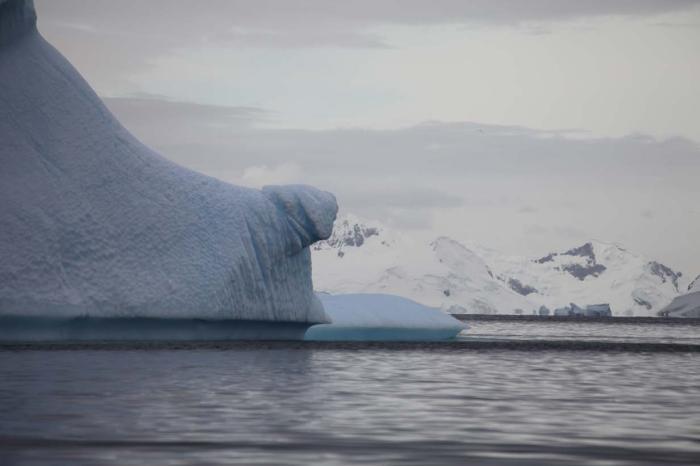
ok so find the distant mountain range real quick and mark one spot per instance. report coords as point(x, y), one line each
point(363, 256)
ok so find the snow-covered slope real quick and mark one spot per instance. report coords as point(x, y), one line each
point(363, 256)
point(687, 305)
point(93, 223)
point(594, 272)
point(442, 273)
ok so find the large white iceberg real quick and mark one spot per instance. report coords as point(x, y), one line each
point(93, 224)
point(382, 317)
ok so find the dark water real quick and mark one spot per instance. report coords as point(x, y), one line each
point(475, 401)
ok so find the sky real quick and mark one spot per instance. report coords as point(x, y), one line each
point(525, 126)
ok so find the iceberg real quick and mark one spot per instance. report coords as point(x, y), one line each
point(382, 317)
point(96, 227)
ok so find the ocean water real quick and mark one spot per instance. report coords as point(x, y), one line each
point(478, 400)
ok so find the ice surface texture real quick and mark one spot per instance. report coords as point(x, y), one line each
point(381, 317)
point(93, 223)
point(17, 17)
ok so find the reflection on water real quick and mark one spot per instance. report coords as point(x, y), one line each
point(301, 405)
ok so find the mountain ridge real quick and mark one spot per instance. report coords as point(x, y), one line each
point(365, 256)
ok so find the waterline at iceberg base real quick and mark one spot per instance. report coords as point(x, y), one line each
point(83, 329)
point(354, 317)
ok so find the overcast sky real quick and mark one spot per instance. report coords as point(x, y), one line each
point(522, 125)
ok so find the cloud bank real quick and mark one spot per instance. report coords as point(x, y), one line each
point(507, 187)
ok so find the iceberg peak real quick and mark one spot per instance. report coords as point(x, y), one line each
point(17, 17)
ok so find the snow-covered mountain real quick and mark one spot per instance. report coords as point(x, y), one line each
point(695, 284)
point(363, 256)
point(591, 273)
point(359, 257)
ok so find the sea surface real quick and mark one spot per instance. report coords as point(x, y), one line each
point(504, 393)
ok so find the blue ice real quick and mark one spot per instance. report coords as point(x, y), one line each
point(381, 317)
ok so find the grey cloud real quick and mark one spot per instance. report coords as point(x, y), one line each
point(222, 17)
point(459, 153)
point(527, 209)
point(239, 138)
point(107, 38)
point(479, 178)
point(156, 116)
point(569, 233)
point(402, 196)
point(406, 205)
point(309, 22)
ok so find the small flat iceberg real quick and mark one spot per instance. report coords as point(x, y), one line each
point(381, 317)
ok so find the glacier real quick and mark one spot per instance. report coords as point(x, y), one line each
point(382, 317)
point(95, 226)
